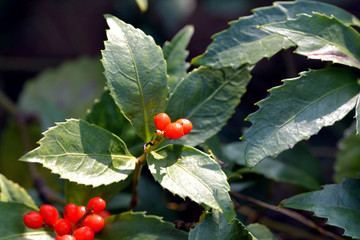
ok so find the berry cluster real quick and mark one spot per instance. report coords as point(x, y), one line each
point(79, 222)
point(171, 130)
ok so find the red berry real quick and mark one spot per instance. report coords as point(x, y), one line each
point(96, 204)
point(174, 131)
point(95, 222)
point(161, 121)
point(104, 214)
point(65, 237)
point(49, 214)
point(63, 227)
point(82, 211)
point(187, 125)
point(84, 233)
point(33, 220)
point(72, 212)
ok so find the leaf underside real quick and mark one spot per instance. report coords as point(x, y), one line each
point(138, 226)
point(135, 70)
point(339, 203)
point(188, 172)
point(245, 43)
point(297, 110)
point(321, 37)
point(207, 97)
point(83, 153)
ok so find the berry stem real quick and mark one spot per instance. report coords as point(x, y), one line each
point(148, 148)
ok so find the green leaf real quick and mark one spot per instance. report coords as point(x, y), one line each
point(12, 226)
point(106, 114)
point(281, 172)
point(175, 55)
point(80, 194)
point(357, 115)
point(261, 232)
point(245, 43)
point(138, 226)
point(188, 172)
point(215, 226)
point(321, 37)
point(66, 91)
point(299, 109)
point(143, 5)
point(136, 75)
point(347, 163)
point(12, 192)
point(339, 203)
point(207, 97)
point(83, 153)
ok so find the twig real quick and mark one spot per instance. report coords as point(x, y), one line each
point(288, 213)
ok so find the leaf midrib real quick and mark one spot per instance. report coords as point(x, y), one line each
point(303, 109)
point(84, 155)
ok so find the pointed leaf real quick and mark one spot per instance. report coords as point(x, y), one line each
point(261, 232)
point(12, 226)
point(136, 75)
point(137, 225)
point(245, 43)
point(175, 55)
point(347, 163)
point(207, 97)
point(339, 203)
point(215, 226)
point(83, 153)
point(12, 192)
point(106, 114)
point(299, 109)
point(63, 92)
point(321, 37)
point(187, 172)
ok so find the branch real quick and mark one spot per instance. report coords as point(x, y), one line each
point(288, 213)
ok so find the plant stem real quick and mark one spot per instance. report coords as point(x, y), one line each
point(288, 213)
point(148, 148)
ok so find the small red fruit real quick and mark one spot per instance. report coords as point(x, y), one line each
point(187, 125)
point(63, 227)
point(174, 131)
point(49, 214)
point(95, 222)
point(161, 121)
point(96, 205)
point(65, 237)
point(72, 212)
point(104, 214)
point(82, 211)
point(84, 233)
point(33, 220)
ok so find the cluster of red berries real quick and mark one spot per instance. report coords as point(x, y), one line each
point(79, 222)
point(171, 130)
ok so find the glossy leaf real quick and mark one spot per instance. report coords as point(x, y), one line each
point(207, 97)
point(136, 75)
point(137, 225)
point(339, 203)
point(245, 43)
point(143, 5)
point(215, 226)
point(12, 226)
point(175, 54)
point(63, 92)
point(188, 172)
point(261, 232)
point(298, 109)
point(321, 37)
point(12, 192)
point(347, 163)
point(83, 153)
point(106, 114)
